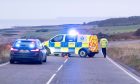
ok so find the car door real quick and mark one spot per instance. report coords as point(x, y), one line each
point(71, 40)
point(55, 43)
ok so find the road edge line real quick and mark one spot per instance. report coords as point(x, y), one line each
point(125, 70)
point(3, 64)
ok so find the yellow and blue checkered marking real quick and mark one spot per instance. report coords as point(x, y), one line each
point(67, 46)
point(64, 44)
point(74, 46)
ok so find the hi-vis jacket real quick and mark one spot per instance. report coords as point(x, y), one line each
point(72, 43)
point(103, 43)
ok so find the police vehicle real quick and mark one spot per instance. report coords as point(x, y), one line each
point(28, 50)
point(83, 45)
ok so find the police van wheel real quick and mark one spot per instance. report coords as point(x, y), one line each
point(82, 53)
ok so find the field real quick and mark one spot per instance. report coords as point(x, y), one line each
point(119, 29)
point(126, 52)
point(9, 35)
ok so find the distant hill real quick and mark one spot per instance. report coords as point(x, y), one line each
point(134, 20)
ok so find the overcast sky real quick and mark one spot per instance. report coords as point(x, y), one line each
point(64, 11)
point(50, 9)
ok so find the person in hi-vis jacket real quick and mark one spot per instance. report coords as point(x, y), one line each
point(104, 44)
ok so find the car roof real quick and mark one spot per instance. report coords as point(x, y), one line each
point(75, 35)
point(27, 40)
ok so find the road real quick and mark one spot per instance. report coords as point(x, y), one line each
point(74, 70)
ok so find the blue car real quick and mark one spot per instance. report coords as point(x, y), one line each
point(27, 50)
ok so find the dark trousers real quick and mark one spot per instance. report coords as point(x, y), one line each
point(104, 52)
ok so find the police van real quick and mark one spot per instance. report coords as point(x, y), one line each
point(82, 45)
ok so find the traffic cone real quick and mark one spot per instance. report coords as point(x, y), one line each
point(66, 56)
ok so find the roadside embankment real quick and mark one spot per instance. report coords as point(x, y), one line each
point(4, 52)
point(126, 52)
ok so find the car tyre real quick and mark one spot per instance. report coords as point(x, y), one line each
point(41, 59)
point(40, 62)
point(45, 60)
point(12, 61)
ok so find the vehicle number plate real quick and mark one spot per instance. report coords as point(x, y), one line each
point(24, 51)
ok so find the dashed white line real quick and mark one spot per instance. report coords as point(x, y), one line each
point(51, 79)
point(56, 72)
point(59, 68)
point(66, 60)
point(4, 64)
point(124, 70)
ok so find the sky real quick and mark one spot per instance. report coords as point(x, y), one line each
point(67, 10)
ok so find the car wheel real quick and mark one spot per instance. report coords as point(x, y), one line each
point(12, 61)
point(40, 62)
point(91, 54)
point(45, 59)
point(82, 53)
point(40, 59)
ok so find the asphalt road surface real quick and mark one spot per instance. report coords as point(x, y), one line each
point(74, 70)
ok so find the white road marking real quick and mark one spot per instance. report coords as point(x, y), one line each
point(4, 64)
point(59, 68)
point(66, 60)
point(124, 70)
point(51, 79)
point(56, 72)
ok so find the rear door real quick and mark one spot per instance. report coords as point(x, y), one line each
point(93, 43)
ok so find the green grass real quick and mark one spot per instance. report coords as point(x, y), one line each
point(88, 29)
point(119, 29)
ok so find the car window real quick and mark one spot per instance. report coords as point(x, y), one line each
point(57, 38)
point(39, 45)
point(24, 44)
point(70, 38)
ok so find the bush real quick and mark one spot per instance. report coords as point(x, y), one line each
point(123, 36)
point(42, 30)
point(137, 33)
point(4, 52)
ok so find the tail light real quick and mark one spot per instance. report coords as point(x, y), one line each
point(13, 49)
point(35, 50)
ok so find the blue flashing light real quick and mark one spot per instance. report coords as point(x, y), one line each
point(18, 41)
point(32, 45)
point(73, 32)
point(17, 45)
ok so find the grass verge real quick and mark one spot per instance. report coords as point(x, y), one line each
point(128, 53)
point(4, 52)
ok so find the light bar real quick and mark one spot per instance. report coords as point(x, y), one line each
point(73, 32)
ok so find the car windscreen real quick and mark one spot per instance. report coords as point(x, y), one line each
point(30, 44)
